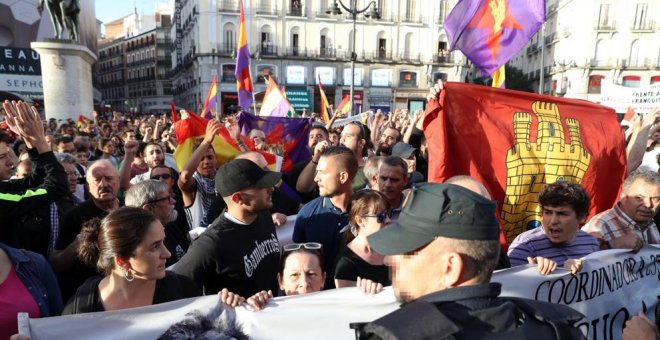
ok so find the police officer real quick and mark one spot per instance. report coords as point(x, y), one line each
point(441, 253)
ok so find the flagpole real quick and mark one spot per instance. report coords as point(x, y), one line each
point(542, 38)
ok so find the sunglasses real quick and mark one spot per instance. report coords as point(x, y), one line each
point(380, 217)
point(160, 199)
point(308, 246)
point(163, 176)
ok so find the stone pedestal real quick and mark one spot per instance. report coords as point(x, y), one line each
point(66, 72)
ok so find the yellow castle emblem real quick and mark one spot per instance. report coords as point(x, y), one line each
point(532, 165)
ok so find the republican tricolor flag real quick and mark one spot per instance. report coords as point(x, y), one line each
point(208, 110)
point(243, 77)
point(325, 114)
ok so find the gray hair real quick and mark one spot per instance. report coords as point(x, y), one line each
point(465, 179)
point(100, 163)
point(396, 161)
point(66, 158)
point(648, 176)
point(144, 192)
point(371, 166)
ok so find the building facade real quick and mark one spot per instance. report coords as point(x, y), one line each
point(397, 56)
point(134, 61)
point(589, 42)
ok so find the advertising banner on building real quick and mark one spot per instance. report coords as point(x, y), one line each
point(299, 98)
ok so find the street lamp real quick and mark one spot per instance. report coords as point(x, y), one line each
point(353, 11)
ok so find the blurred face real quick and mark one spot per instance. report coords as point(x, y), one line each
point(151, 254)
point(641, 201)
point(164, 175)
point(50, 139)
point(423, 264)
point(302, 274)
point(103, 182)
point(412, 163)
point(153, 155)
point(256, 200)
point(333, 139)
point(66, 147)
point(109, 148)
point(6, 163)
point(315, 136)
point(391, 181)
point(328, 177)
point(163, 207)
point(23, 169)
point(71, 175)
point(350, 137)
point(206, 167)
point(259, 137)
point(561, 223)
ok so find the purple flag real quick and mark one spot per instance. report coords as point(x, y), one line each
point(289, 133)
point(491, 32)
point(243, 77)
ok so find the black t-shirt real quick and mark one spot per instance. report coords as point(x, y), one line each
point(241, 258)
point(70, 227)
point(170, 288)
point(282, 204)
point(350, 266)
point(176, 241)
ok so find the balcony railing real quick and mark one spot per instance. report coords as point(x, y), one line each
point(443, 58)
point(268, 50)
point(226, 49)
point(380, 55)
point(605, 26)
point(410, 57)
point(327, 53)
point(643, 26)
point(295, 11)
point(297, 52)
point(550, 38)
point(411, 18)
point(228, 6)
point(322, 14)
point(266, 10)
point(387, 17)
point(595, 62)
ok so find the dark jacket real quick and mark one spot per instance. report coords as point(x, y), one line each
point(21, 197)
point(476, 312)
point(38, 277)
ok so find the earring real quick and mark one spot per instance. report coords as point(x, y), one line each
point(128, 274)
point(353, 230)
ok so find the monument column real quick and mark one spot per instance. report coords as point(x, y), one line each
point(66, 72)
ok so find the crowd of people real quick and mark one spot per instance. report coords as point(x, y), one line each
point(97, 217)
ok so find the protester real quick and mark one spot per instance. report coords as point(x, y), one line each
point(20, 198)
point(371, 171)
point(322, 219)
point(167, 175)
point(27, 285)
point(407, 153)
point(369, 211)
point(152, 155)
point(639, 327)
point(354, 136)
point(559, 242)
point(240, 250)
point(103, 181)
point(388, 138)
point(156, 197)
point(629, 224)
point(392, 179)
point(128, 248)
point(442, 252)
point(301, 176)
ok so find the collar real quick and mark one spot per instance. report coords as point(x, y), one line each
point(15, 255)
point(627, 219)
point(456, 294)
point(233, 219)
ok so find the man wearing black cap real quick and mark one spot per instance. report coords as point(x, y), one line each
point(407, 153)
point(240, 250)
point(441, 253)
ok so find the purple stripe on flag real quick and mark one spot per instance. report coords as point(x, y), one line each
point(243, 78)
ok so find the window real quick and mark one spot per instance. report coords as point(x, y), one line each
point(444, 10)
point(604, 15)
point(228, 75)
point(408, 79)
point(655, 80)
point(594, 83)
point(640, 16)
point(631, 81)
point(634, 59)
point(440, 76)
point(265, 70)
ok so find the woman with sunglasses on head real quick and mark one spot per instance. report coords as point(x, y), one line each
point(301, 272)
point(128, 249)
point(357, 264)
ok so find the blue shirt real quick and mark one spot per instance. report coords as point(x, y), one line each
point(320, 221)
point(533, 243)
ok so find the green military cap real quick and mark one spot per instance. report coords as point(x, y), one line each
point(437, 210)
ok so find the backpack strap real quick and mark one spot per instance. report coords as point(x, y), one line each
point(562, 318)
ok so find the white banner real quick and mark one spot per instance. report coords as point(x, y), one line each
point(612, 286)
point(642, 99)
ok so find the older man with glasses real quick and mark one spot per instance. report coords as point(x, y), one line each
point(167, 175)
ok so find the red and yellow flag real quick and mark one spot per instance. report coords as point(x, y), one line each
point(325, 115)
point(345, 106)
point(516, 142)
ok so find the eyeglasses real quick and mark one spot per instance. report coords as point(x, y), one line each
point(380, 217)
point(654, 199)
point(168, 197)
point(308, 246)
point(163, 176)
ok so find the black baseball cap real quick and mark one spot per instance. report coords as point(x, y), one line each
point(437, 210)
point(403, 150)
point(240, 174)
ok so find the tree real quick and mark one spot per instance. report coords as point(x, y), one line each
point(515, 80)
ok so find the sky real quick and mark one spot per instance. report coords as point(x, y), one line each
point(108, 10)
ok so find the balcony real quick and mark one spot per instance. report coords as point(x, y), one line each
point(330, 53)
point(387, 17)
point(645, 26)
point(228, 6)
point(594, 62)
point(226, 49)
point(548, 39)
point(443, 58)
point(635, 63)
point(266, 10)
point(605, 26)
point(411, 18)
point(323, 15)
point(268, 50)
point(296, 52)
point(295, 11)
point(410, 57)
point(380, 56)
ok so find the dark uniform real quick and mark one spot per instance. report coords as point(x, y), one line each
point(465, 311)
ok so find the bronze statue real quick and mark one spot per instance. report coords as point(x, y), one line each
point(64, 14)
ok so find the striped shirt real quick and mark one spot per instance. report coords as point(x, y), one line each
point(533, 243)
point(614, 223)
